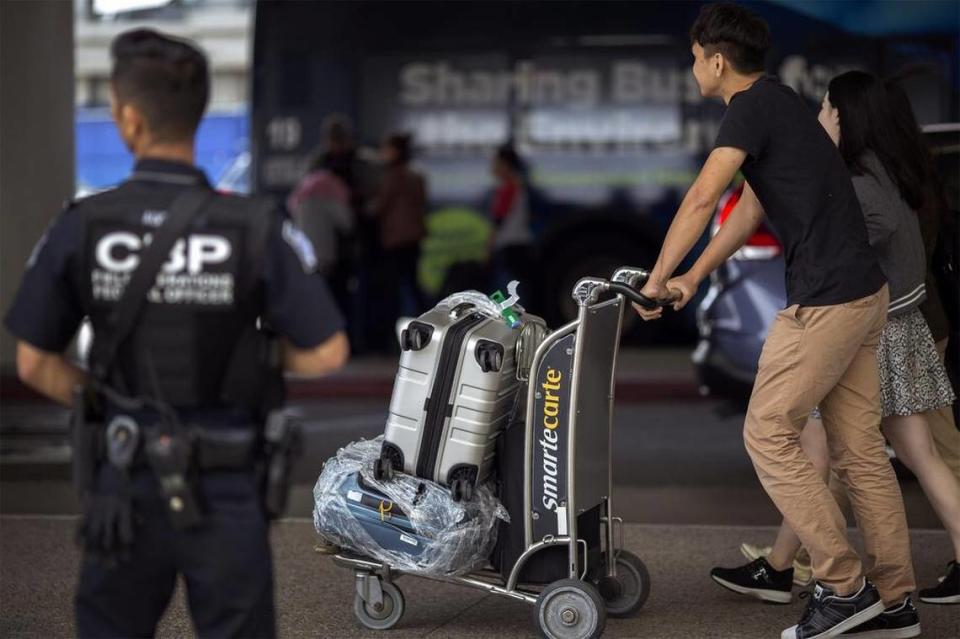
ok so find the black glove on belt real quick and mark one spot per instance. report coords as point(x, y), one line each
point(106, 530)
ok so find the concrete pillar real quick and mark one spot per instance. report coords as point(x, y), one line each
point(36, 133)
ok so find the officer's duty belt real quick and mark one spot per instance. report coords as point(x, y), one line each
point(222, 449)
point(234, 448)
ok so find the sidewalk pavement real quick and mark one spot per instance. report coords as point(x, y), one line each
point(315, 598)
point(642, 375)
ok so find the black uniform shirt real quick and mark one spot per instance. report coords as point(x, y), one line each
point(50, 304)
point(806, 192)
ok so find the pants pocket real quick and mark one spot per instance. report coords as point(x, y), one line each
point(863, 302)
point(783, 327)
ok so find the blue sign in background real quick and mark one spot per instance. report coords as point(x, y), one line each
point(102, 160)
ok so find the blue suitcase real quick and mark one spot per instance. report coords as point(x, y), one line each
point(380, 518)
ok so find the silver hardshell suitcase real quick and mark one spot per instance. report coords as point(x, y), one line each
point(454, 392)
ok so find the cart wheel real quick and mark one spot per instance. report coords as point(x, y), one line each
point(570, 609)
point(389, 614)
point(625, 594)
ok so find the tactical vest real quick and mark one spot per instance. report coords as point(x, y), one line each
point(199, 326)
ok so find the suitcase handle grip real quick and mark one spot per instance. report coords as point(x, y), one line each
point(460, 310)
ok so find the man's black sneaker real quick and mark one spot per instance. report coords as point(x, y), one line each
point(757, 579)
point(829, 615)
point(897, 622)
point(948, 592)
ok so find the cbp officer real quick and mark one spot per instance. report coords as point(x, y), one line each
point(173, 457)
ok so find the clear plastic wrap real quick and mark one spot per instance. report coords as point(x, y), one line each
point(419, 528)
point(483, 303)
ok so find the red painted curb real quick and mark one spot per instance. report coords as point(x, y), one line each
point(13, 390)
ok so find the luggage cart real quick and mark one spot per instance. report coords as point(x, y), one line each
point(571, 410)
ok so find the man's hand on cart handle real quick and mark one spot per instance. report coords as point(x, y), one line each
point(662, 295)
point(683, 288)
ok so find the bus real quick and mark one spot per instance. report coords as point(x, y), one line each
point(597, 97)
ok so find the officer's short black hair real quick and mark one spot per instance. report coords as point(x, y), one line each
point(166, 78)
point(740, 35)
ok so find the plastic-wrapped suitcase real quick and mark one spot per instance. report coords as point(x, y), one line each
point(453, 394)
point(381, 518)
point(408, 523)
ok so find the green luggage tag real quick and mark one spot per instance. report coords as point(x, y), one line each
point(507, 312)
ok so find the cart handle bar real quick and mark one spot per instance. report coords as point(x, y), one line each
point(639, 298)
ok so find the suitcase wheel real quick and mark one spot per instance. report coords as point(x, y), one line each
point(489, 356)
point(383, 469)
point(389, 462)
point(461, 490)
point(416, 336)
point(462, 479)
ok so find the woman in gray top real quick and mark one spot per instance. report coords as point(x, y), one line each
point(889, 167)
point(891, 173)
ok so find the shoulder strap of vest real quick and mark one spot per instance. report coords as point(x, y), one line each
point(182, 211)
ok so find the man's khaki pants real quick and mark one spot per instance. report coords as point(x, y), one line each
point(826, 356)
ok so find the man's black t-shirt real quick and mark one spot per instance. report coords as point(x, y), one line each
point(805, 189)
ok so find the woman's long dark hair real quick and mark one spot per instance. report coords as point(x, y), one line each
point(877, 117)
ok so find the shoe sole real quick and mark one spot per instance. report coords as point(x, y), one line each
point(943, 601)
point(771, 596)
point(752, 556)
point(863, 616)
point(893, 633)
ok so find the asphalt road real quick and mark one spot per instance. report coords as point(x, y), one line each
point(681, 477)
point(315, 599)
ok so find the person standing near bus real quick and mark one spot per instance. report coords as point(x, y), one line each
point(400, 208)
point(513, 237)
point(320, 206)
point(821, 349)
